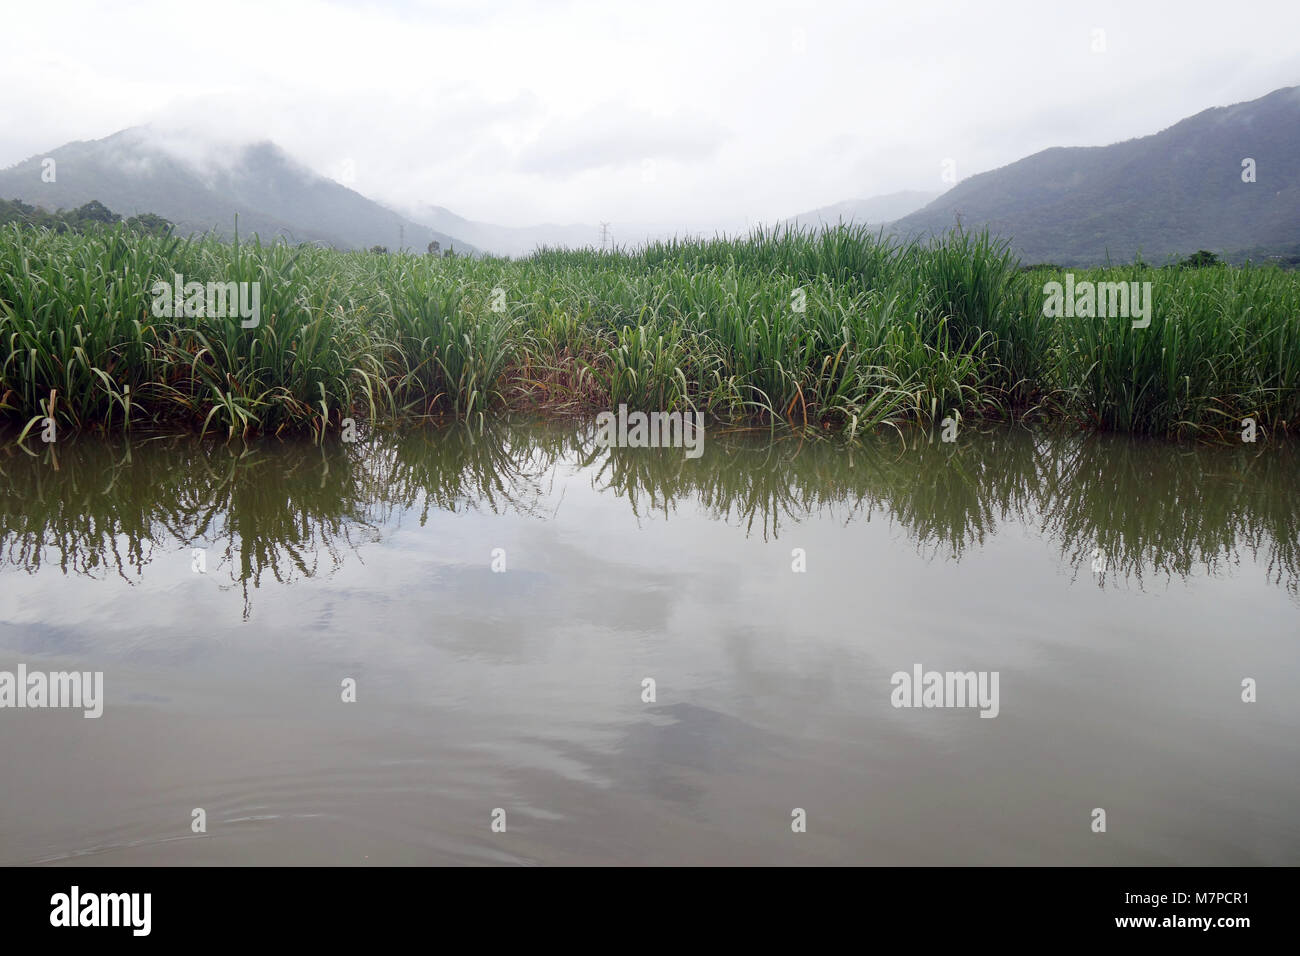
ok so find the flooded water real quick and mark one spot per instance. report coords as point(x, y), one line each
point(497, 603)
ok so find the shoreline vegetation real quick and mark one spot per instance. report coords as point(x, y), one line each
point(837, 331)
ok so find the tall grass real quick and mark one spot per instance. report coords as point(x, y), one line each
point(834, 329)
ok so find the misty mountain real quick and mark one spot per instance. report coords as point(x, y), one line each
point(1161, 196)
point(201, 188)
point(876, 211)
point(522, 240)
point(505, 240)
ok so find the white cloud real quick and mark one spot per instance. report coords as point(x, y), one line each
point(523, 112)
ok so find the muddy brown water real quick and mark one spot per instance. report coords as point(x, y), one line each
point(1122, 591)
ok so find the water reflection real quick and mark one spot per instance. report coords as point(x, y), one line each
point(286, 511)
point(525, 690)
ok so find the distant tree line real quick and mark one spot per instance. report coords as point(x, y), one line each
point(1284, 257)
point(435, 249)
point(90, 216)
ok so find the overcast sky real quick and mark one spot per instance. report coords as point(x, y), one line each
point(697, 113)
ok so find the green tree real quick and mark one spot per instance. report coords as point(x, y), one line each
point(1200, 259)
point(150, 224)
point(94, 212)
